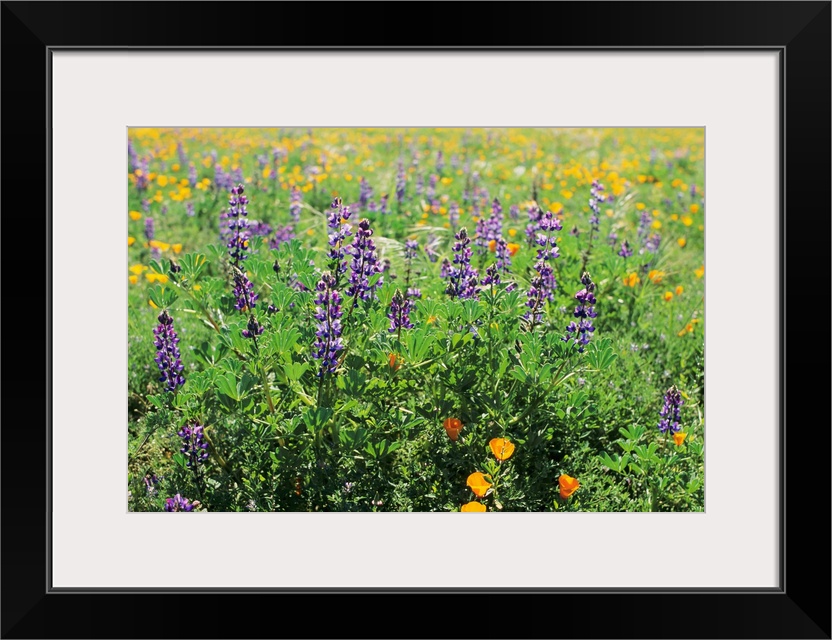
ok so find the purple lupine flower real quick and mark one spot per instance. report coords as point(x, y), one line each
point(294, 203)
point(453, 215)
point(574, 231)
point(596, 197)
point(364, 264)
point(503, 255)
point(440, 162)
point(414, 293)
point(491, 229)
point(420, 185)
point(328, 335)
point(178, 503)
point(581, 331)
point(244, 296)
point(625, 251)
point(431, 247)
point(411, 247)
point(492, 276)
point(189, 209)
point(541, 290)
point(670, 413)
point(462, 277)
point(167, 353)
point(237, 224)
point(145, 205)
point(150, 482)
point(282, 235)
point(644, 227)
point(400, 308)
point(652, 243)
point(220, 178)
point(142, 180)
point(253, 328)
point(372, 206)
point(149, 228)
point(546, 236)
point(431, 190)
point(237, 175)
point(401, 183)
point(180, 150)
point(382, 208)
point(192, 176)
point(194, 445)
point(340, 231)
point(514, 212)
point(479, 237)
point(365, 192)
point(134, 158)
point(454, 162)
point(612, 238)
point(535, 214)
point(257, 228)
point(445, 269)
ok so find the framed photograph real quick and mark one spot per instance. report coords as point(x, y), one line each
point(365, 289)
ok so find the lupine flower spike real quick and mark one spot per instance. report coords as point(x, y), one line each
point(178, 503)
point(167, 353)
point(463, 277)
point(328, 314)
point(194, 445)
point(581, 331)
point(364, 264)
point(670, 414)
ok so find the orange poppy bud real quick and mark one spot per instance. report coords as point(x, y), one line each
point(501, 448)
point(568, 485)
point(679, 438)
point(453, 426)
point(473, 506)
point(479, 485)
point(395, 362)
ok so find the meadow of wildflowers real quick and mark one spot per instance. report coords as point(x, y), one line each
point(470, 320)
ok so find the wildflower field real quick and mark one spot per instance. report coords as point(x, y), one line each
point(415, 320)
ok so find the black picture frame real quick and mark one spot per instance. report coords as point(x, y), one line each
point(799, 608)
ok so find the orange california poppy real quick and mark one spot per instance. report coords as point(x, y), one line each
point(631, 280)
point(479, 485)
point(473, 506)
point(656, 276)
point(568, 485)
point(513, 248)
point(501, 448)
point(453, 426)
point(395, 361)
point(679, 438)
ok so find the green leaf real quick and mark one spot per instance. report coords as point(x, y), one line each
point(295, 370)
point(179, 458)
point(227, 384)
point(157, 401)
